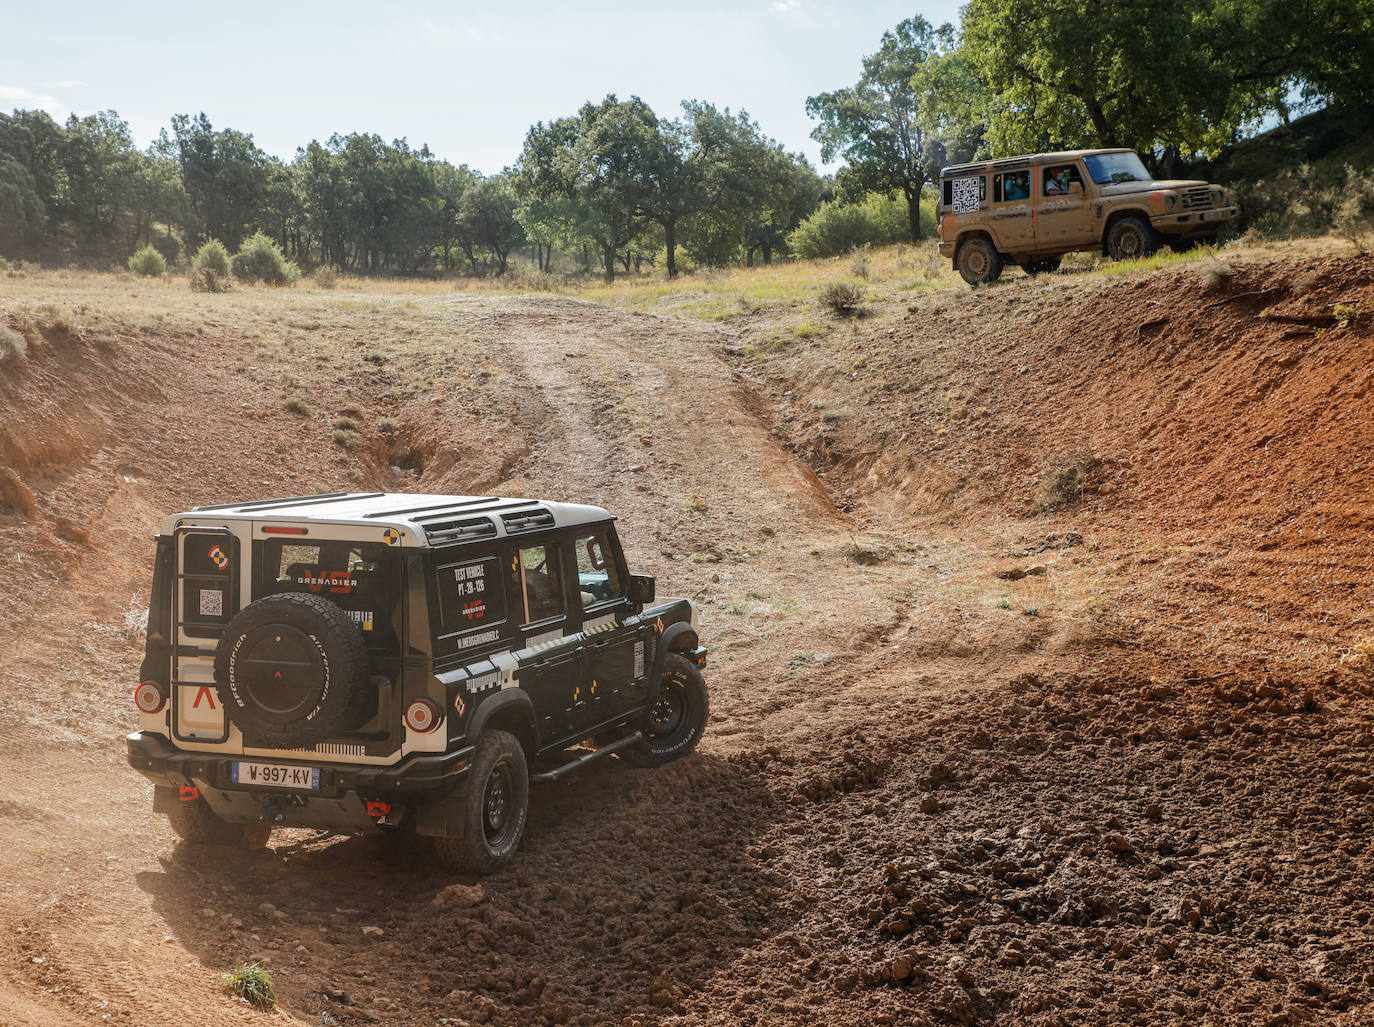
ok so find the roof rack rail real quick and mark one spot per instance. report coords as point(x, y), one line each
point(257, 503)
point(404, 511)
point(527, 520)
point(450, 532)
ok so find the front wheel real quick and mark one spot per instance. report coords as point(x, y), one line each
point(979, 261)
point(1131, 238)
point(496, 808)
point(674, 725)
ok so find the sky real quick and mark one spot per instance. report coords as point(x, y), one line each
point(468, 79)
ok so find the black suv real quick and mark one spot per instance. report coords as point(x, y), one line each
point(375, 662)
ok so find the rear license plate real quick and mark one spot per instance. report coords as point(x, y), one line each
point(274, 775)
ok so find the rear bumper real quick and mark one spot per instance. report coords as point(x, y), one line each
point(153, 757)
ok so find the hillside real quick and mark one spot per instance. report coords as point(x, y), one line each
point(1026, 607)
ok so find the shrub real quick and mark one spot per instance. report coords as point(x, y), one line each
point(298, 406)
point(326, 278)
point(347, 438)
point(842, 298)
point(148, 262)
point(858, 262)
point(204, 279)
point(259, 259)
point(12, 345)
point(879, 220)
point(169, 246)
point(346, 423)
point(1065, 481)
point(253, 984)
point(212, 257)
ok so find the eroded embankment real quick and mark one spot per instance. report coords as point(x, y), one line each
point(1218, 417)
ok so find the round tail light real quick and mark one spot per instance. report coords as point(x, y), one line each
point(149, 698)
point(422, 715)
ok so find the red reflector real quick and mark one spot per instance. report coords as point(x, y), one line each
point(378, 809)
point(148, 697)
point(423, 715)
point(189, 793)
point(285, 531)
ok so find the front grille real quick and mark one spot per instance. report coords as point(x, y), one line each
point(1199, 198)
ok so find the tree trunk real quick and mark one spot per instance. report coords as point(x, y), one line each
point(913, 210)
point(608, 255)
point(670, 241)
point(767, 253)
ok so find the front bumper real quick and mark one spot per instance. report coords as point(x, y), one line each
point(157, 760)
point(1193, 222)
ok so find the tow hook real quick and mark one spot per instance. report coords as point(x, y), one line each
point(274, 806)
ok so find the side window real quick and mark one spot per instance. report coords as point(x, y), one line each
point(470, 596)
point(598, 577)
point(537, 585)
point(1058, 178)
point(1011, 186)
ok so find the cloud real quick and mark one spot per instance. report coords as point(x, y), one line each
point(64, 83)
point(783, 6)
point(12, 97)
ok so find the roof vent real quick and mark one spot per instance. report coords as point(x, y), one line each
point(527, 520)
point(450, 532)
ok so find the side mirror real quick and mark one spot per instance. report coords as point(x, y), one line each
point(642, 589)
point(1076, 189)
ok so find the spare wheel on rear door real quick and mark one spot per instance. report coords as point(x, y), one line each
point(291, 671)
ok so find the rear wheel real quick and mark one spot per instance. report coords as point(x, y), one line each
point(1131, 238)
point(495, 808)
point(196, 822)
point(979, 261)
point(674, 725)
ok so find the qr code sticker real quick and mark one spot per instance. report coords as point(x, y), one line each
point(211, 602)
point(964, 195)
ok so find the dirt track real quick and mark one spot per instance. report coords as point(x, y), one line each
point(1111, 800)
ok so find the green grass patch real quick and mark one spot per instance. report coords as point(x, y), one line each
point(253, 984)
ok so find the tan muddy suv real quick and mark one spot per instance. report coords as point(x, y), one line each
point(1032, 209)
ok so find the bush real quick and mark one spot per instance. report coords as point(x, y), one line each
point(842, 298)
point(12, 345)
point(253, 984)
point(326, 278)
point(169, 246)
point(203, 279)
point(148, 262)
point(259, 259)
point(213, 257)
point(838, 228)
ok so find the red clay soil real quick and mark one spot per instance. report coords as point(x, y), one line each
point(1226, 419)
point(1140, 798)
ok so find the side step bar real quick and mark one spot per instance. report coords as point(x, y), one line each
point(583, 760)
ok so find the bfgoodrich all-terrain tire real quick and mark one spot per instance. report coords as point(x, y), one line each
point(1131, 238)
point(291, 671)
point(196, 822)
point(675, 724)
point(495, 810)
point(979, 261)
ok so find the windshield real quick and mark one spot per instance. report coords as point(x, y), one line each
point(1110, 168)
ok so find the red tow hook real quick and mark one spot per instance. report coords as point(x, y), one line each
point(379, 810)
point(189, 793)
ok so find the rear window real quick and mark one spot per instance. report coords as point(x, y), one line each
point(361, 578)
point(965, 195)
